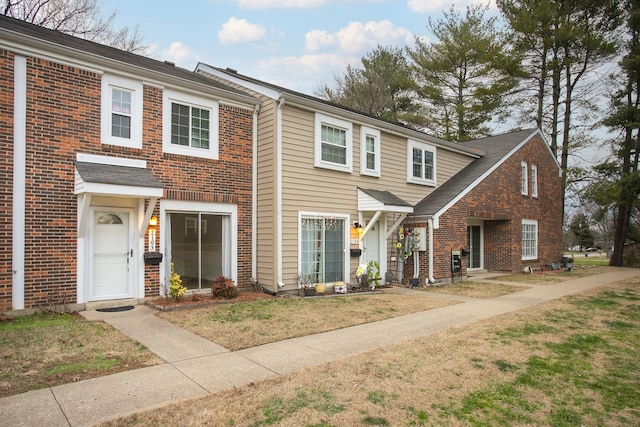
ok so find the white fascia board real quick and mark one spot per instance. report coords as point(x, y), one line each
point(207, 69)
point(95, 188)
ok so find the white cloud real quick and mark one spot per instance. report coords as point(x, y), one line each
point(357, 38)
point(273, 4)
point(303, 73)
point(240, 31)
point(316, 40)
point(426, 6)
point(180, 54)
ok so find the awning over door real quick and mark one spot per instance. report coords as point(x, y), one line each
point(112, 177)
point(380, 201)
point(116, 180)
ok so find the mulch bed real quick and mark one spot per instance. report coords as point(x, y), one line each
point(201, 300)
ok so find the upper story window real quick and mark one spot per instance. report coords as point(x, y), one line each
point(190, 125)
point(369, 151)
point(534, 180)
point(333, 143)
point(421, 163)
point(524, 181)
point(121, 116)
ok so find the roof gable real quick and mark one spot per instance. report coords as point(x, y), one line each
point(496, 150)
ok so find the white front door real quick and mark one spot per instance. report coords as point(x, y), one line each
point(371, 244)
point(474, 242)
point(112, 254)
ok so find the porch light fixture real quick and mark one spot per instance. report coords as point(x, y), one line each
point(153, 221)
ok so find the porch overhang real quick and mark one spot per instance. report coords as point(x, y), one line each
point(380, 201)
point(127, 178)
point(489, 215)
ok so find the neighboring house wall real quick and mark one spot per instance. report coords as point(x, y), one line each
point(63, 119)
point(319, 190)
point(497, 202)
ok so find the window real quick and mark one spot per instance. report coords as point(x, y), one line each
point(534, 180)
point(121, 117)
point(323, 248)
point(524, 184)
point(529, 239)
point(369, 151)
point(333, 143)
point(421, 161)
point(190, 125)
point(198, 241)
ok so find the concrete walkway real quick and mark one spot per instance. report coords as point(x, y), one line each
point(196, 367)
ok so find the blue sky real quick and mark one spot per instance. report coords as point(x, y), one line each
point(299, 44)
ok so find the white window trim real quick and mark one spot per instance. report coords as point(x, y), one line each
point(375, 134)
point(524, 175)
point(534, 181)
point(321, 119)
point(319, 215)
point(411, 144)
point(128, 85)
point(534, 256)
point(168, 98)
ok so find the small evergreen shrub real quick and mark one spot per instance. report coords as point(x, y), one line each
point(223, 287)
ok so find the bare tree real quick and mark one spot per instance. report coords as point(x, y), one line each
point(79, 18)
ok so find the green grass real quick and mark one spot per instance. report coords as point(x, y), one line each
point(590, 374)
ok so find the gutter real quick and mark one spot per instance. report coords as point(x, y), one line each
point(279, 281)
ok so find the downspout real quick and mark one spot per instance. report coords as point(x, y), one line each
point(430, 279)
point(254, 198)
point(279, 281)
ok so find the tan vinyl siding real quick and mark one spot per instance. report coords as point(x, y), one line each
point(311, 189)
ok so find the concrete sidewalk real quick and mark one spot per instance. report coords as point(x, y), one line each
point(196, 367)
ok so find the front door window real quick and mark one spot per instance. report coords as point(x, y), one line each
point(474, 239)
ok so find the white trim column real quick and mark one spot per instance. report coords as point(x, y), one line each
point(19, 178)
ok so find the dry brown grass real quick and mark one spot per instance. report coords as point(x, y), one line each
point(549, 277)
point(475, 289)
point(516, 369)
point(50, 349)
point(241, 325)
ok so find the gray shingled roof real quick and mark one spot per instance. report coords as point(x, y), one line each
point(110, 53)
point(385, 197)
point(494, 148)
point(117, 175)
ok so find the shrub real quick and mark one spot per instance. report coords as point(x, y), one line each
point(223, 287)
point(176, 290)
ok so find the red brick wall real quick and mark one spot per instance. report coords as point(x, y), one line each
point(63, 118)
point(6, 177)
point(496, 198)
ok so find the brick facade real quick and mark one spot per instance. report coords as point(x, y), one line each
point(497, 202)
point(63, 119)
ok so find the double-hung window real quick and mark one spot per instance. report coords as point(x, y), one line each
point(190, 125)
point(534, 181)
point(529, 239)
point(333, 143)
point(121, 117)
point(524, 179)
point(421, 163)
point(369, 151)
point(323, 248)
